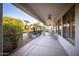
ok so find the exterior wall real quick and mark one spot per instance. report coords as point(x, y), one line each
point(72, 50)
point(69, 48)
point(77, 27)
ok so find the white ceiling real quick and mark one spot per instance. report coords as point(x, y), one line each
point(41, 11)
point(44, 9)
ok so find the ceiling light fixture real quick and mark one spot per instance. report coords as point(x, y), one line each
point(49, 17)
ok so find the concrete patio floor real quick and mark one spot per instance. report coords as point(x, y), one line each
point(44, 45)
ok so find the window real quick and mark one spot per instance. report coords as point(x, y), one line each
point(66, 26)
point(69, 25)
point(59, 27)
point(72, 23)
point(56, 27)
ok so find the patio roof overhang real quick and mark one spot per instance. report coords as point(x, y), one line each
point(41, 11)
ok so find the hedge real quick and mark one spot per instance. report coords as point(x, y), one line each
point(11, 35)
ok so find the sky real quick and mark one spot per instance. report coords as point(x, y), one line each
point(10, 10)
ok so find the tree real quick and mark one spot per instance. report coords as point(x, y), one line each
point(13, 21)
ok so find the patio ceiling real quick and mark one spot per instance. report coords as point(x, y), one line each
point(41, 11)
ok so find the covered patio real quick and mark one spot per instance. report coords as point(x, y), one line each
point(44, 45)
point(61, 39)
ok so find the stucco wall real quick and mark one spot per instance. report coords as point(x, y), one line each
point(77, 27)
point(69, 48)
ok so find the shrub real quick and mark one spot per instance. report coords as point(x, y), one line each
point(12, 32)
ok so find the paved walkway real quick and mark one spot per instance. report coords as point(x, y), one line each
point(44, 45)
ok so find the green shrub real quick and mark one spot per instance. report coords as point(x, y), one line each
point(45, 30)
point(12, 32)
